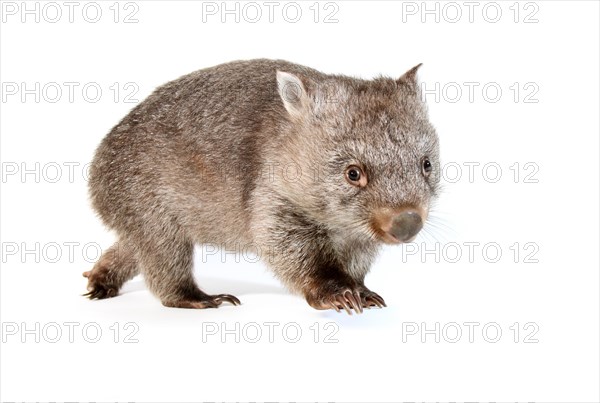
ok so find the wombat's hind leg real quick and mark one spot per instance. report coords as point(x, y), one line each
point(117, 265)
point(168, 271)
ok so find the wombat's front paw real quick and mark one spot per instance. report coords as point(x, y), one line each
point(206, 301)
point(347, 299)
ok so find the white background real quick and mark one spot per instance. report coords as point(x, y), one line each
point(553, 286)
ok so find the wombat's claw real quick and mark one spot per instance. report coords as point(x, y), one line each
point(347, 300)
point(99, 291)
point(208, 301)
point(373, 299)
point(233, 300)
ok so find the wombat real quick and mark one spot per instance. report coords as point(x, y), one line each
point(315, 171)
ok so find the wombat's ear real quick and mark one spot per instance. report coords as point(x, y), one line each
point(410, 78)
point(293, 94)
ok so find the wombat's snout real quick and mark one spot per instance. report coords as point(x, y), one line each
point(399, 225)
point(406, 225)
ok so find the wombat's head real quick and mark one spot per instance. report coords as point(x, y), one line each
point(367, 153)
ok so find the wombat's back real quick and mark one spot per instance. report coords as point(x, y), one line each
point(192, 151)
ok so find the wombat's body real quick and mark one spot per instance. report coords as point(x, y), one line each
point(311, 170)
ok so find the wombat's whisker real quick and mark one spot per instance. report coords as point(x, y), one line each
point(442, 225)
point(442, 233)
point(437, 234)
point(428, 235)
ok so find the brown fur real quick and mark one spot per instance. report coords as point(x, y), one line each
point(255, 152)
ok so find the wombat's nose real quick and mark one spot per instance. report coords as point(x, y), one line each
point(406, 225)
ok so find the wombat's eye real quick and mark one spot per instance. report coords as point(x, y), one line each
point(355, 176)
point(426, 164)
